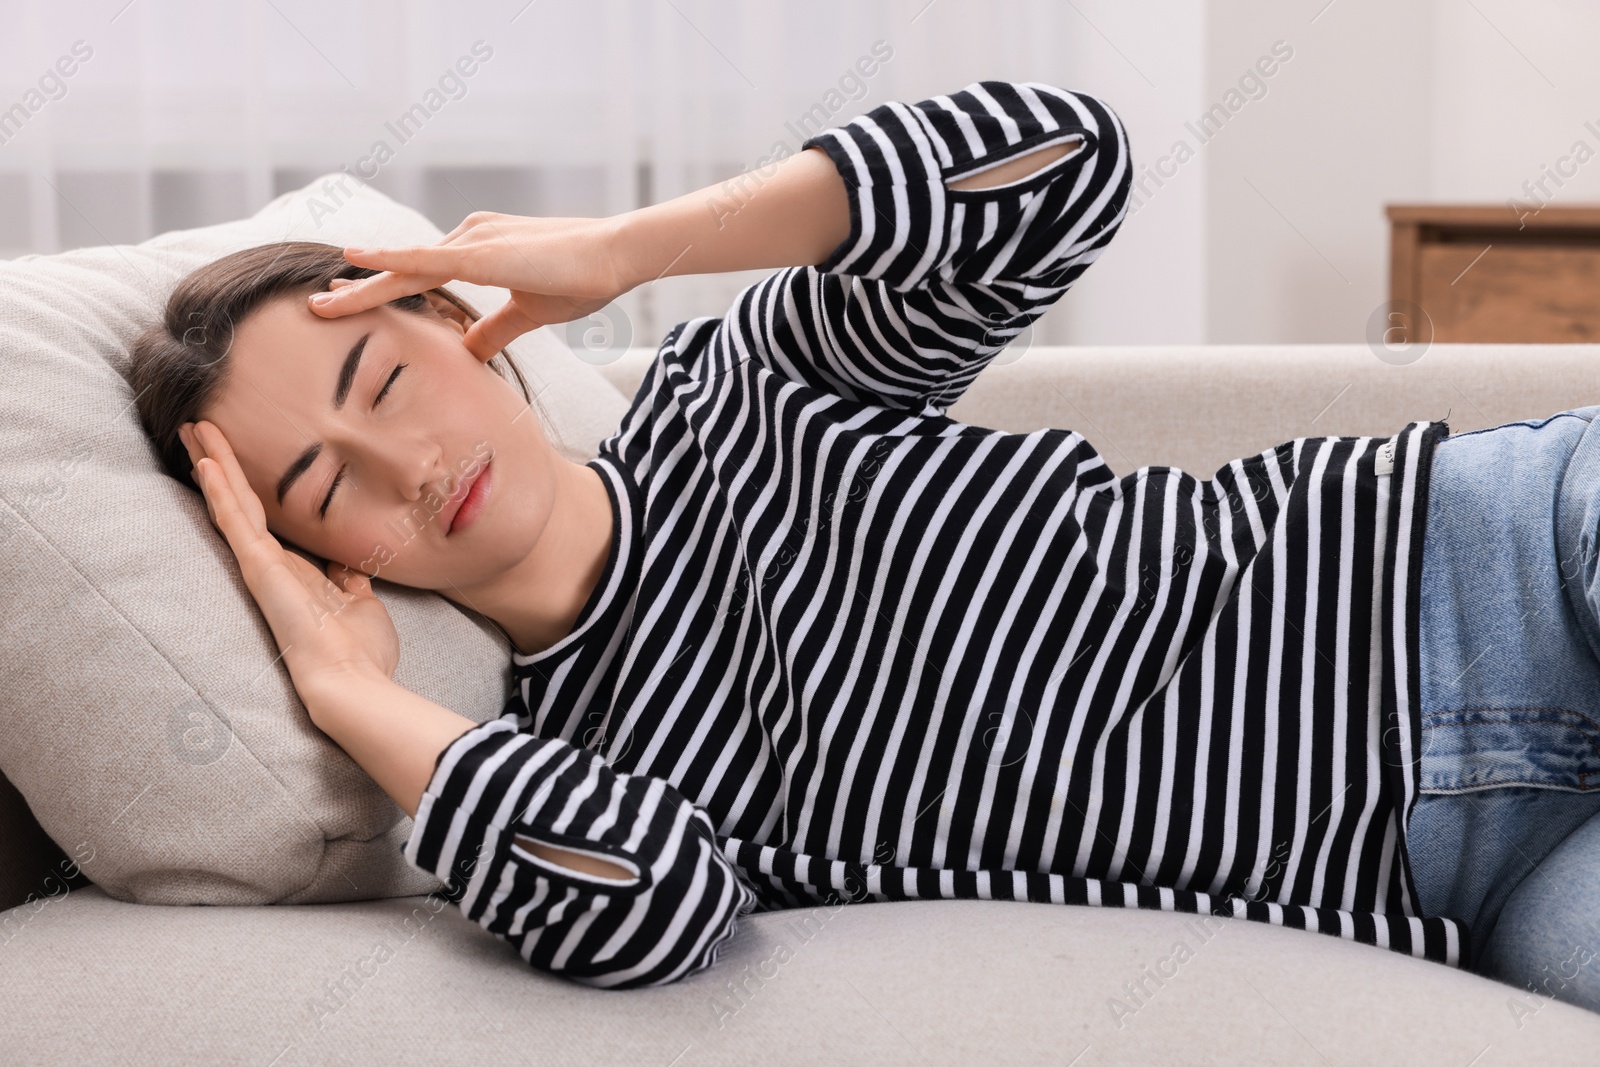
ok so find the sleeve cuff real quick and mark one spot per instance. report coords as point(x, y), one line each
point(853, 193)
point(895, 186)
point(459, 823)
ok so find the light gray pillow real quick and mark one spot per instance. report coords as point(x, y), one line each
point(146, 718)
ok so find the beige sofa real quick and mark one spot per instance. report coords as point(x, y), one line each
point(85, 978)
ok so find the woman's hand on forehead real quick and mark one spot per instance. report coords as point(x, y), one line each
point(556, 269)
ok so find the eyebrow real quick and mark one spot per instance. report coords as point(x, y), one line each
point(341, 392)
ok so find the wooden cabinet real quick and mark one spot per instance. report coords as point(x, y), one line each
point(1486, 273)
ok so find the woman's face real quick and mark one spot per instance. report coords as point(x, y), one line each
point(442, 417)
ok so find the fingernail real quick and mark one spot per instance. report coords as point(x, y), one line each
point(356, 251)
point(321, 298)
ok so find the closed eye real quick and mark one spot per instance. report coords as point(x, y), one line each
point(322, 513)
point(379, 398)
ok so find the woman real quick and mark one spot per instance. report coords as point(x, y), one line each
point(796, 637)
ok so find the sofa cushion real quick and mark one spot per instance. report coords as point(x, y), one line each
point(148, 720)
point(913, 982)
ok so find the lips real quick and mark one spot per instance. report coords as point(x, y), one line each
point(463, 491)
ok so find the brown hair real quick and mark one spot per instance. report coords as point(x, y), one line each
point(181, 363)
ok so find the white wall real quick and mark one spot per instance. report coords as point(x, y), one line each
point(1147, 61)
point(1514, 87)
point(1382, 102)
point(1297, 241)
point(1148, 286)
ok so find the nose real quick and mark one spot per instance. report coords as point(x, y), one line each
point(414, 467)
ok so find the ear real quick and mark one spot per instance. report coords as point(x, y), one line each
point(448, 312)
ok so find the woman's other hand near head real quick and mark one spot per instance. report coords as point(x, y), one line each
point(326, 624)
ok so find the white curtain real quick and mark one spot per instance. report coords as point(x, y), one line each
point(121, 120)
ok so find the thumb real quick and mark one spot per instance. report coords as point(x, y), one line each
point(486, 337)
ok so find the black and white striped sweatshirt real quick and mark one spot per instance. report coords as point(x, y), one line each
point(846, 648)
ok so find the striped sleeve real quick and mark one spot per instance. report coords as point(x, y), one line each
point(933, 282)
point(495, 789)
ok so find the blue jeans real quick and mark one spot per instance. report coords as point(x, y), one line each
point(1505, 832)
point(1521, 864)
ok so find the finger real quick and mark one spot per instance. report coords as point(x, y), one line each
point(486, 337)
point(191, 440)
point(224, 516)
point(186, 435)
point(448, 259)
point(462, 227)
point(242, 498)
point(364, 294)
point(200, 479)
point(269, 572)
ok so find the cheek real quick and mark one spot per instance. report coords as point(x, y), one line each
point(309, 541)
point(366, 549)
point(331, 542)
point(376, 560)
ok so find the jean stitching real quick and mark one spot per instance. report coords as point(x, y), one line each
point(1583, 776)
point(1531, 722)
point(1496, 782)
point(1461, 711)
